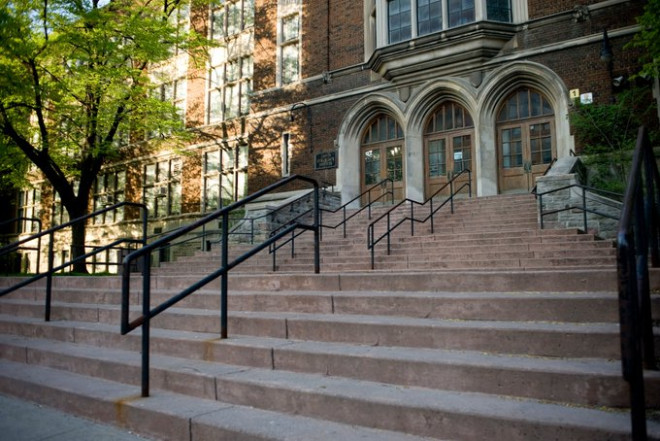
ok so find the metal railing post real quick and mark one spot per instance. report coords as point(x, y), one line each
point(49, 277)
point(431, 216)
point(317, 231)
point(584, 208)
point(540, 196)
point(469, 183)
point(146, 325)
point(451, 195)
point(225, 276)
point(649, 206)
point(412, 219)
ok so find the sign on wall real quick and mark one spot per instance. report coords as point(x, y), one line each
point(325, 160)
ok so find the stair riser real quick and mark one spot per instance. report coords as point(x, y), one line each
point(390, 416)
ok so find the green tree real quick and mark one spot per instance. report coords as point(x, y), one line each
point(76, 76)
point(648, 39)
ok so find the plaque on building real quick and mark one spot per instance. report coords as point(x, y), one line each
point(325, 160)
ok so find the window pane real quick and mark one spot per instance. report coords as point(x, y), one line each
point(460, 12)
point(437, 158)
point(371, 167)
point(462, 153)
point(290, 63)
point(499, 10)
point(511, 148)
point(395, 164)
point(290, 27)
point(399, 20)
point(541, 143)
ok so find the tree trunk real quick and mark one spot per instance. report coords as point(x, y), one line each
point(78, 231)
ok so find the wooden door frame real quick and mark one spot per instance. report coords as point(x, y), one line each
point(524, 124)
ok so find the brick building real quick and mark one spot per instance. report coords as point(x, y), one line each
point(355, 92)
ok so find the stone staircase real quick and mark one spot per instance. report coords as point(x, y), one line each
point(488, 329)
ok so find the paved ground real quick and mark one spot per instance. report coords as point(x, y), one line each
point(25, 421)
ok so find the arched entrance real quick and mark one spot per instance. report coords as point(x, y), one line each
point(526, 141)
point(381, 156)
point(448, 146)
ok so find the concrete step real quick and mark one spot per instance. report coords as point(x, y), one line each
point(589, 382)
point(555, 280)
point(589, 307)
point(447, 414)
point(169, 416)
point(533, 338)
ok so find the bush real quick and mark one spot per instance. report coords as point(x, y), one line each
point(606, 135)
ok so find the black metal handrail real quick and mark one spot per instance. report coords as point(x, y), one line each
point(372, 240)
point(144, 253)
point(48, 274)
point(583, 208)
point(15, 246)
point(638, 236)
point(367, 206)
point(273, 247)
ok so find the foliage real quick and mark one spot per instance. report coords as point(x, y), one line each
point(606, 134)
point(648, 39)
point(77, 77)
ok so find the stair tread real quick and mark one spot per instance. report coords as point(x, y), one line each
point(190, 414)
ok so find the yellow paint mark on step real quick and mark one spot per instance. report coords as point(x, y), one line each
point(208, 348)
point(120, 406)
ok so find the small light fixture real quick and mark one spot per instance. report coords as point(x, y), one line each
point(292, 117)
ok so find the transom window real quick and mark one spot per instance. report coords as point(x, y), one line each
point(408, 19)
point(383, 128)
point(449, 116)
point(523, 104)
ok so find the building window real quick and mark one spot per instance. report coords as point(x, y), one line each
point(289, 41)
point(179, 19)
point(399, 20)
point(108, 191)
point(161, 188)
point(460, 12)
point(229, 19)
point(406, 19)
point(285, 154)
point(173, 92)
point(499, 10)
point(29, 207)
point(230, 86)
point(59, 215)
point(224, 177)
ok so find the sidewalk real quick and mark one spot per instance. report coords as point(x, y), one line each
point(25, 421)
